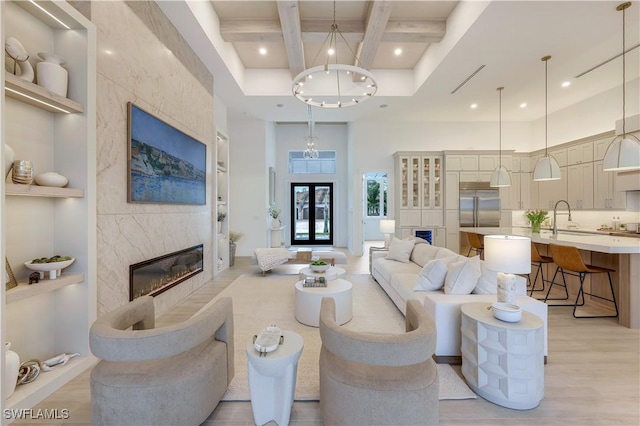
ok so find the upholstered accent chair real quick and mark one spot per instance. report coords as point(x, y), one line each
point(371, 378)
point(173, 375)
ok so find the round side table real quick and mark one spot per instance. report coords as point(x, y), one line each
point(272, 379)
point(503, 362)
point(309, 299)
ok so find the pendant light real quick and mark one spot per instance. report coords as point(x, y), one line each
point(624, 151)
point(500, 176)
point(547, 167)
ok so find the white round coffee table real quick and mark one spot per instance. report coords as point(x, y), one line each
point(272, 379)
point(308, 300)
point(330, 274)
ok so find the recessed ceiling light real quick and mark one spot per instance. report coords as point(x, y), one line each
point(279, 105)
point(384, 106)
point(523, 105)
point(474, 106)
point(262, 51)
point(566, 83)
point(331, 51)
point(397, 52)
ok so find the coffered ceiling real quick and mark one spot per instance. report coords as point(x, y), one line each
point(454, 54)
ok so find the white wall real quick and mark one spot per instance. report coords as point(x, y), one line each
point(248, 185)
point(330, 137)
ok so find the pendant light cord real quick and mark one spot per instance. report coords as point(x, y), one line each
point(546, 106)
point(624, 79)
point(500, 128)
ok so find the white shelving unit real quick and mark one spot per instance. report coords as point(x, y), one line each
point(222, 197)
point(57, 134)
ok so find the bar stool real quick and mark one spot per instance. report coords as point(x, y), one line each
point(570, 262)
point(476, 244)
point(537, 260)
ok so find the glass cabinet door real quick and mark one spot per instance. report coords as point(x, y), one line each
point(415, 182)
point(404, 182)
point(426, 182)
point(437, 182)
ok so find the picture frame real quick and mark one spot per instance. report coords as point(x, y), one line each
point(11, 281)
point(165, 165)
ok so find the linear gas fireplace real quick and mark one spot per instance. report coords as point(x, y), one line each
point(157, 275)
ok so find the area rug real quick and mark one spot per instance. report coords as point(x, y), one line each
point(261, 301)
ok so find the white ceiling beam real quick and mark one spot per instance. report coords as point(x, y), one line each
point(414, 31)
point(316, 30)
point(289, 13)
point(376, 24)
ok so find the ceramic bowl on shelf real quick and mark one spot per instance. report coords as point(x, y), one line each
point(53, 268)
point(51, 179)
point(507, 312)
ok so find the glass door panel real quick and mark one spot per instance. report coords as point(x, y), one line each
point(312, 213)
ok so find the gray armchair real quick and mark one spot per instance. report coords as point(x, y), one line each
point(159, 376)
point(377, 378)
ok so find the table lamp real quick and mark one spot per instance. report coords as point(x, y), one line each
point(508, 255)
point(388, 228)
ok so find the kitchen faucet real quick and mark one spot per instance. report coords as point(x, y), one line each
point(555, 213)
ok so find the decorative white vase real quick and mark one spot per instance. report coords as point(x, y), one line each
point(275, 223)
point(51, 75)
point(219, 227)
point(12, 368)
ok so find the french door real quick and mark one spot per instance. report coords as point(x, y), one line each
point(312, 213)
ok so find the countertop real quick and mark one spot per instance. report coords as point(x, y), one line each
point(593, 241)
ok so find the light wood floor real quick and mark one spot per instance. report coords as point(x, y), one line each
point(592, 376)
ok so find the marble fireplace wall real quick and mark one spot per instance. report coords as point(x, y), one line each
point(141, 58)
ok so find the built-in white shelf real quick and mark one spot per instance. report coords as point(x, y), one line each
point(221, 168)
point(24, 290)
point(27, 92)
point(42, 191)
point(26, 396)
point(222, 203)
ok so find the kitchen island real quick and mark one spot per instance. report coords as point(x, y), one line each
point(615, 252)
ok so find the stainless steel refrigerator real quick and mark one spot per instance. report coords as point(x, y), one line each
point(479, 205)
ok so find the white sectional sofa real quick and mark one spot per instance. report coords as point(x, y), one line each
point(399, 278)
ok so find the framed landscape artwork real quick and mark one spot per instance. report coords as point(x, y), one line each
point(166, 166)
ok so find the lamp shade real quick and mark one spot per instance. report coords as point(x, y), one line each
point(508, 253)
point(500, 178)
point(547, 168)
point(623, 154)
point(388, 226)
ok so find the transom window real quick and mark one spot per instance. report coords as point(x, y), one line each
point(324, 164)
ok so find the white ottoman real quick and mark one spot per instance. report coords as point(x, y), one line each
point(308, 300)
point(272, 379)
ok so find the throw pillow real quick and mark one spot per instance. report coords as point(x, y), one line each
point(462, 276)
point(432, 276)
point(487, 283)
point(400, 250)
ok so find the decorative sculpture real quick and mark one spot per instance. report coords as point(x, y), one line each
point(20, 57)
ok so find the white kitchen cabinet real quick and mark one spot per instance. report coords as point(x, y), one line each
point(452, 190)
point(475, 176)
point(605, 194)
point(578, 154)
point(560, 154)
point(551, 191)
point(462, 162)
point(580, 186)
point(520, 194)
point(452, 226)
point(55, 133)
point(420, 188)
point(489, 162)
point(431, 191)
point(600, 147)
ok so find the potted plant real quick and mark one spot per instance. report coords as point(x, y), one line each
point(221, 217)
point(536, 217)
point(274, 212)
point(233, 237)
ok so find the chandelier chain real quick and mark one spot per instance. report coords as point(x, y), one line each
point(624, 78)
